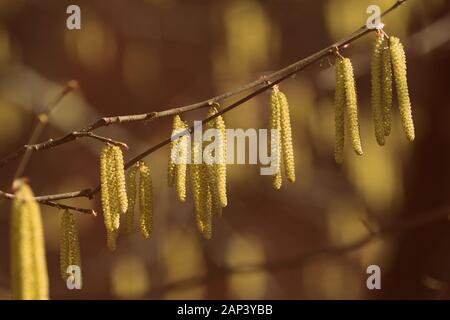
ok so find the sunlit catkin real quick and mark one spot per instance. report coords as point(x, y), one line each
point(275, 141)
point(120, 178)
point(376, 86)
point(194, 169)
point(105, 187)
point(220, 164)
point(131, 193)
point(351, 105)
point(339, 112)
point(145, 200)
point(179, 152)
point(286, 137)
point(29, 278)
point(69, 253)
point(386, 82)
point(400, 75)
point(206, 196)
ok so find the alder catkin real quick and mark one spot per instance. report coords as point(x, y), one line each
point(105, 187)
point(275, 141)
point(114, 203)
point(69, 253)
point(194, 169)
point(145, 200)
point(120, 178)
point(286, 137)
point(400, 75)
point(339, 112)
point(183, 146)
point(29, 277)
point(351, 105)
point(220, 163)
point(376, 86)
point(131, 192)
point(206, 194)
point(386, 82)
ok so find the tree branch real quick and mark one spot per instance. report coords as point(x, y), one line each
point(259, 86)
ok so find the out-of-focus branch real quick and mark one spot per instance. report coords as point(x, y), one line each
point(394, 229)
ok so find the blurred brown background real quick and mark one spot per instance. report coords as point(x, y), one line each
point(144, 55)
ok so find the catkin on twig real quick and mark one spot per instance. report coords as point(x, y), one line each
point(339, 112)
point(29, 277)
point(69, 253)
point(179, 153)
point(120, 178)
point(275, 142)
point(131, 192)
point(351, 105)
point(286, 137)
point(387, 90)
point(109, 195)
point(400, 75)
point(145, 200)
point(377, 89)
point(220, 163)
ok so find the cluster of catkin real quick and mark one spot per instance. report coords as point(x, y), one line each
point(388, 63)
point(207, 168)
point(118, 193)
point(281, 137)
point(69, 252)
point(29, 278)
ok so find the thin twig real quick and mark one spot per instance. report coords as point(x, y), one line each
point(42, 122)
point(48, 201)
point(261, 85)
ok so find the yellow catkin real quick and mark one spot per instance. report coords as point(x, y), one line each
point(286, 137)
point(29, 277)
point(400, 75)
point(183, 153)
point(339, 112)
point(131, 193)
point(351, 105)
point(113, 191)
point(69, 253)
point(376, 86)
point(194, 169)
point(105, 187)
point(206, 198)
point(145, 200)
point(171, 170)
point(111, 214)
point(386, 82)
point(120, 178)
point(220, 165)
point(275, 143)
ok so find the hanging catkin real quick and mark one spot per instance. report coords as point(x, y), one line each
point(275, 141)
point(131, 192)
point(400, 75)
point(351, 105)
point(339, 112)
point(220, 166)
point(29, 278)
point(206, 195)
point(194, 169)
point(69, 253)
point(120, 178)
point(179, 152)
point(377, 89)
point(286, 137)
point(145, 200)
point(111, 215)
point(386, 82)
